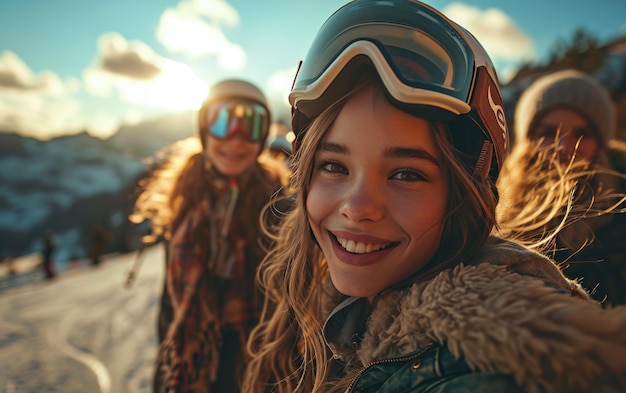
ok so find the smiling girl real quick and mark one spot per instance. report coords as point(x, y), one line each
point(387, 275)
point(207, 202)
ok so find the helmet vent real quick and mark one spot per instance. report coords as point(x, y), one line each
point(483, 163)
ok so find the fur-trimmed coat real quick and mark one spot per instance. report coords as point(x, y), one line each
point(508, 321)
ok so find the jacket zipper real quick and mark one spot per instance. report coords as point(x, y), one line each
point(385, 361)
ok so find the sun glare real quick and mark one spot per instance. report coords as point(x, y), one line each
point(178, 88)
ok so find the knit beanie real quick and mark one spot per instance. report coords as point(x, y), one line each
point(566, 89)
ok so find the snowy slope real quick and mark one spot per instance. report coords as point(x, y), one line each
point(83, 332)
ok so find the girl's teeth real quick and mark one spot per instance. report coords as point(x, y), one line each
point(359, 247)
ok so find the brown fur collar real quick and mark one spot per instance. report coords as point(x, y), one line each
point(502, 321)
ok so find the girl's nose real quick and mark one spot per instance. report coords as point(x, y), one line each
point(567, 146)
point(364, 200)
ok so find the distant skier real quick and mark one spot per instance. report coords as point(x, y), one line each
point(48, 250)
point(99, 239)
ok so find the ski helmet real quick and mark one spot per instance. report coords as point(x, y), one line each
point(234, 89)
point(429, 65)
point(279, 143)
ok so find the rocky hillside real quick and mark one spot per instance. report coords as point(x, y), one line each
point(74, 184)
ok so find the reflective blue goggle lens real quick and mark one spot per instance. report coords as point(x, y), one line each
point(246, 118)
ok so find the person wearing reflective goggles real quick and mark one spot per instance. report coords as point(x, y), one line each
point(233, 132)
point(388, 274)
point(208, 201)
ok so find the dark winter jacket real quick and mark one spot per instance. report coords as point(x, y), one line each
point(507, 321)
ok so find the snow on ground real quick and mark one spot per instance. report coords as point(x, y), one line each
point(83, 331)
point(21, 265)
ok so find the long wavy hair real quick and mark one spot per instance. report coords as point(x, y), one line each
point(544, 200)
point(287, 348)
point(182, 181)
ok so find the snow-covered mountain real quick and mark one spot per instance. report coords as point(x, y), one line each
point(72, 184)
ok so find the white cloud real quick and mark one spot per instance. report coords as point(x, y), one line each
point(277, 88)
point(177, 88)
point(215, 10)
point(133, 116)
point(39, 106)
point(73, 85)
point(16, 77)
point(130, 73)
point(279, 85)
point(174, 87)
point(102, 124)
point(195, 27)
point(98, 83)
point(232, 57)
point(134, 60)
point(189, 34)
point(495, 30)
point(42, 106)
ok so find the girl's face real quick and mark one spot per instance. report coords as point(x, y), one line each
point(377, 197)
point(571, 127)
point(233, 155)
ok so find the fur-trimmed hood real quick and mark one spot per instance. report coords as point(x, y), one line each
point(509, 311)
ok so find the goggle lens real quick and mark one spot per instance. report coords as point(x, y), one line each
point(246, 118)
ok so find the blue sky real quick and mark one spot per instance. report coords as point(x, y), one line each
point(70, 65)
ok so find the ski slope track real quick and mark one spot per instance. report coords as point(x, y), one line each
point(83, 331)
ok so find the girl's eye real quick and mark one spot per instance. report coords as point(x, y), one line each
point(331, 167)
point(409, 175)
point(584, 132)
point(547, 132)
